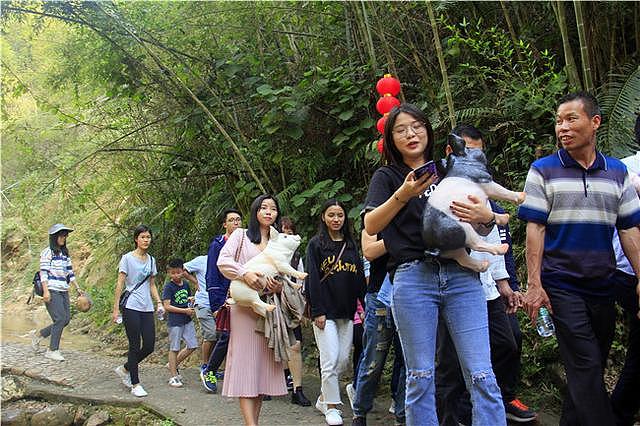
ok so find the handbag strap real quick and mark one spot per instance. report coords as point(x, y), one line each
point(145, 278)
point(236, 257)
point(335, 264)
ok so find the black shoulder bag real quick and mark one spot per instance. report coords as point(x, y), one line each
point(124, 296)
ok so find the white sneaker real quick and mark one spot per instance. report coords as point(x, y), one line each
point(138, 391)
point(54, 355)
point(333, 416)
point(36, 338)
point(392, 407)
point(124, 375)
point(320, 405)
point(351, 394)
point(179, 376)
point(175, 382)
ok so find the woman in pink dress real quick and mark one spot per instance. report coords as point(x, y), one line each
point(251, 370)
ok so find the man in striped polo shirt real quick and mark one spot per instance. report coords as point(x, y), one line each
point(575, 199)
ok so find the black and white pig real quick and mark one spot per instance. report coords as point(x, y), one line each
point(464, 174)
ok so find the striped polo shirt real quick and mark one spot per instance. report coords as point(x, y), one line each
point(58, 270)
point(580, 209)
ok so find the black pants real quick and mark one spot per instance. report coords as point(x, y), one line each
point(452, 399)
point(624, 398)
point(138, 325)
point(219, 352)
point(584, 328)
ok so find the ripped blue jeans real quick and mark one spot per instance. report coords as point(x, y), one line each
point(421, 290)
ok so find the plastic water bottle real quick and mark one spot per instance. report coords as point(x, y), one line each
point(160, 314)
point(119, 319)
point(544, 323)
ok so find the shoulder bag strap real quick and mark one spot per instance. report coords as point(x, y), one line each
point(145, 278)
point(335, 264)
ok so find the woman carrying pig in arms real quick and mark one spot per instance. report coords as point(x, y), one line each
point(424, 285)
point(251, 370)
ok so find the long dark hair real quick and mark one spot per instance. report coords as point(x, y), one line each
point(53, 244)
point(253, 228)
point(323, 231)
point(391, 154)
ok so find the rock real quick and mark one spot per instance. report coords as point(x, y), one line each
point(98, 419)
point(56, 415)
point(81, 416)
point(14, 417)
point(12, 389)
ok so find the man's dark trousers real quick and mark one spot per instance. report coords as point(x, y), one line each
point(584, 328)
point(624, 398)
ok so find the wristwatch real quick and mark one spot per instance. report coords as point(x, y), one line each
point(491, 223)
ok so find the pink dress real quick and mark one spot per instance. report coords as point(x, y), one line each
point(251, 369)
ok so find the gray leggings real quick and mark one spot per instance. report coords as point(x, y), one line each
point(60, 313)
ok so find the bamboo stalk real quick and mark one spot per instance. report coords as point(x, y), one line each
point(584, 47)
point(512, 31)
point(570, 63)
point(443, 68)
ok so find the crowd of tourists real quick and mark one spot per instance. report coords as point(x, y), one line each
point(453, 332)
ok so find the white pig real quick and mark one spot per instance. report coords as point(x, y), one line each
point(274, 260)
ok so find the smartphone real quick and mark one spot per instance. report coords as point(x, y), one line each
point(429, 167)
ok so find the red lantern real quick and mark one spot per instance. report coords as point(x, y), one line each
point(380, 145)
point(386, 104)
point(389, 85)
point(380, 125)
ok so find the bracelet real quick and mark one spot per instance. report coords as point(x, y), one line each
point(395, 196)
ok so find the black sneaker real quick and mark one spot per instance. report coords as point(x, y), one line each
point(518, 412)
point(359, 421)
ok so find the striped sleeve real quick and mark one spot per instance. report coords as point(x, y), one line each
point(69, 269)
point(45, 264)
point(536, 206)
point(629, 207)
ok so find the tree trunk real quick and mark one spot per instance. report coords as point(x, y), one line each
point(584, 48)
point(369, 38)
point(570, 63)
point(443, 67)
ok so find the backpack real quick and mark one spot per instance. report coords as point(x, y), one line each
point(37, 287)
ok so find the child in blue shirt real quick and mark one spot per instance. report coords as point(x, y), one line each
point(175, 298)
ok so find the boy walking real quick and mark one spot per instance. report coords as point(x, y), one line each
point(175, 298)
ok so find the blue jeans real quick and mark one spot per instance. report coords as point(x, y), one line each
point(422, 290)
point(379, 332)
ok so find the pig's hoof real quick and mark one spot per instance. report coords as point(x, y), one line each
point(482, 266)
point(503, 248)
point(230, 301)
point(520, 198)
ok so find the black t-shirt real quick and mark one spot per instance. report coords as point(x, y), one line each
point(403, 235)
point(336, 296)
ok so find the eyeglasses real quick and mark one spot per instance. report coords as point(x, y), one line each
point(417, 127)
point(234, 219)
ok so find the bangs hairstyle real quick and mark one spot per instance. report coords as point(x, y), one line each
point(391, 154)
point(253, 228)
point(139, 230)
point(323, 231)
point(53, 244)
point(288, 223)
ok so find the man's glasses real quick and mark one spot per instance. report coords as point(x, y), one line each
point(234, 220)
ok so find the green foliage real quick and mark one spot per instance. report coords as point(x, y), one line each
point(101, 129)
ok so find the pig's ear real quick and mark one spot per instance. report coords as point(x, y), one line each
point(273, 233)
